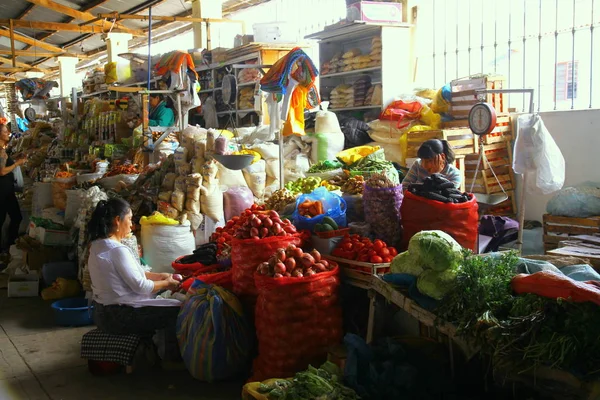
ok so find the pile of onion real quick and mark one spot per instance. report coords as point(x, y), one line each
point(292, 262)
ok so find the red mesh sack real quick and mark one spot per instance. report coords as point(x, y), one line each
point(190, 269)
point(246, 254)
point(297, 321)
point(458, 220)
point(218, 278)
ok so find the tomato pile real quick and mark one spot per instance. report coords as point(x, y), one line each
point(358, 248)
point(292, 262)
point(224, 236)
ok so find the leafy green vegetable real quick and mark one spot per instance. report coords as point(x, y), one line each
point(405, 263)
point(437, 284)
point(435, 250)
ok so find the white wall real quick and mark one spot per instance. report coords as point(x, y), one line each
point(577, 134)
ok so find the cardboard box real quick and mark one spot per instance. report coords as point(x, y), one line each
point(26, 285)
point(375, 11)
point(274, 32)
point(50, 237)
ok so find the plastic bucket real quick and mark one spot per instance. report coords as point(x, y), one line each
point(73, 312)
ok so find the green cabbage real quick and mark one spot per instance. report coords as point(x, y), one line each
point(435, 250)
point(437, 284)
point(405, 263)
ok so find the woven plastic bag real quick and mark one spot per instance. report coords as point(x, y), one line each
point(459, 220)
point(382, 211)
point(334, 206)
point(297, 320)
point(213, 333)
point(246, 254)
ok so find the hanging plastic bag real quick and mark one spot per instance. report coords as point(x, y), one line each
point(246, 254)
point(18, 174)
point(402, 112)
point(537, 155)
point(459, 220)
point(291, 311)
point(236, 200)
point(213, 333)
point(333, 205)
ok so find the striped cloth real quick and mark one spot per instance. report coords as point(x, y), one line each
point(214, 336)
point(417, 174)
point(277, 78)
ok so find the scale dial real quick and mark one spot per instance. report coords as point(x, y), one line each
point(482, 119)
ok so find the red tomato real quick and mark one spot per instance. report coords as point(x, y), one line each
point(363, 258)
point(358, 245)
point(393, 251)
point(387, 259)
point(378, 244)
point(376, 260)
point(385, 252)
point(347, 246)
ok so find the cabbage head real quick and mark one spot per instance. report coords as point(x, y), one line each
point(405, 263)
point(437, 284)
point(435, 250)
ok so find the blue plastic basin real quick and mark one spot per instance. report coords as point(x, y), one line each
point(73, 312)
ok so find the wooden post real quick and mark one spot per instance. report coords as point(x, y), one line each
point(12, 44)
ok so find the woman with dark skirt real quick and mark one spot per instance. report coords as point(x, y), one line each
point(124, 293)
point(8, 200)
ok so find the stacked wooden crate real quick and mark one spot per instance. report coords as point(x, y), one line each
point(464, 95)
point(559, 229)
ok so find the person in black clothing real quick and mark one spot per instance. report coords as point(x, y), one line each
point(8, 200)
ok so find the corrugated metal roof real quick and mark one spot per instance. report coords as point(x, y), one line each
point(15, 8)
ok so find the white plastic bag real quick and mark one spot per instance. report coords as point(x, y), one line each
point(163, 244)
point(256, 178)
point(537, 155)
point(18, 178)
point(42, 198)
point(236, 200)
point(74, 201)
point(325, 146)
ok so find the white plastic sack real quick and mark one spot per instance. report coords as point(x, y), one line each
point(325, 146)
point(163, 244)
point(393, 152)
point(537, 155)
point(327, 122)
point(256, 178)
point(581, 201)
point(42, 198)
point(267, 151)
point(18, 178)
point(74, 201)
point(112, 181)
point(229, 177)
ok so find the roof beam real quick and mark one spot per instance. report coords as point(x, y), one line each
point(81, 15)
point(21, 64)
point(33, 53)
point(13, 69)
point(169, 19)
point(31, 41)
point(55, 26)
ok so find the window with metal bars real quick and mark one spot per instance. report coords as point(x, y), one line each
point(548, 45)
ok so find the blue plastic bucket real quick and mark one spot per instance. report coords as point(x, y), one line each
point(73, 312)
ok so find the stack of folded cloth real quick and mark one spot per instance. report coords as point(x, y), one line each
point(375, 54)
point(246, 98)
point(361, 87)
point(342, 96)
point(374, 96)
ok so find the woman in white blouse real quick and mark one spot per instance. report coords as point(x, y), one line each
point(124, 294)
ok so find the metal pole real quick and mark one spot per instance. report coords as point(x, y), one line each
point(149, 47)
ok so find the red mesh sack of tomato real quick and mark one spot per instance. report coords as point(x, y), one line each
point(222, 279)
point(297, 320)
point(459, 220)
point(246, 254)
point(190, 269)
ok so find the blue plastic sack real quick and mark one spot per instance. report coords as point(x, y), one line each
point(214, 335)
point(581, 201)
point(581, 273)
point(334, 206)
point(404, 280)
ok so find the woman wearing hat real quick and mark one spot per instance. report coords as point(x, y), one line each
point(435, 157)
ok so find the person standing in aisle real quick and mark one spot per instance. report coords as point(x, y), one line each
point(8, 200)
point(160, 113)
point(435, 157)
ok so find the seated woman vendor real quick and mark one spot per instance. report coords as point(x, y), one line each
point(160, 113)
point(123, 293)
point(435, 156)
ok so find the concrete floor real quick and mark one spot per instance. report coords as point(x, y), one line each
point(39, 361)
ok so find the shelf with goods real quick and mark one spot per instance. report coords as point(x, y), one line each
point(244, 111)
point(362, 69)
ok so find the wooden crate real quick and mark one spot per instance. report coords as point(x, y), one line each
point(359, 272)
point(558, 229)
point(462, 140)
point(486, 182)
point(464, 95)
point(501, 132)
point(497, 155)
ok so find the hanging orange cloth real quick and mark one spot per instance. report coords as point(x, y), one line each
point(294, 124)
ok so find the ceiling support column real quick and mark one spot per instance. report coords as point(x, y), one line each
point(67, 75)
